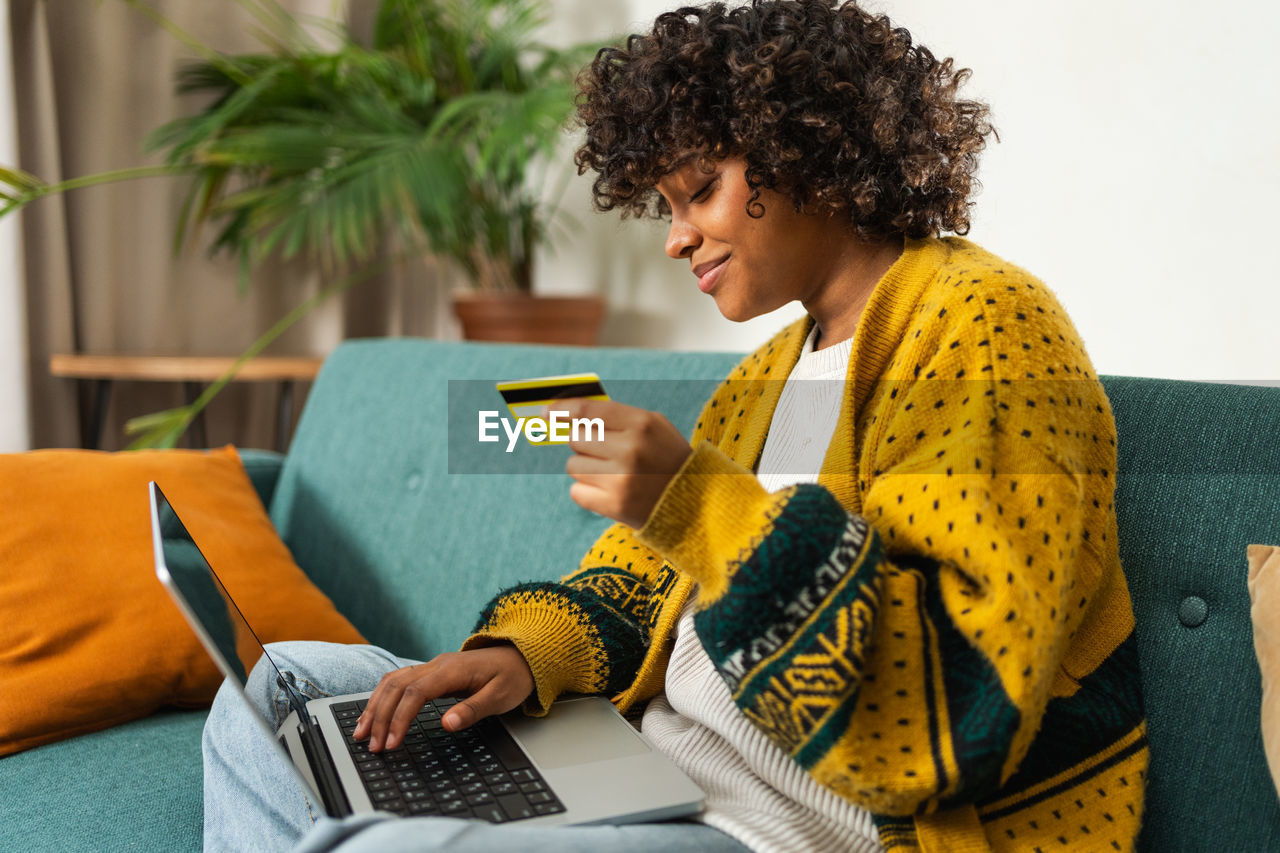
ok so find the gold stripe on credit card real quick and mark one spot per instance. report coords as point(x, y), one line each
point(527, 398)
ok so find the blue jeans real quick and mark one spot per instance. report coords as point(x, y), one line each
point(253, 802)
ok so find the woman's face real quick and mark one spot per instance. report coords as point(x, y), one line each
point(749, 266)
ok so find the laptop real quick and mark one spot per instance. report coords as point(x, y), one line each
point(581, 763)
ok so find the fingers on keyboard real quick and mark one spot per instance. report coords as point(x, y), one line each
point(480, 772)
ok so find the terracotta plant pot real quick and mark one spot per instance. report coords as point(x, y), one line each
point(522, 318)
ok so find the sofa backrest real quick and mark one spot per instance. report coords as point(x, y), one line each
point(397, 512)
point(409, 551)
point(1198, 481)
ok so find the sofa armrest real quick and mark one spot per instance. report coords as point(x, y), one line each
point(263, 468)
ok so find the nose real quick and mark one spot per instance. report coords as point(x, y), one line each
point(682, 239)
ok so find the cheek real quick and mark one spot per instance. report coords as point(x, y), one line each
point(757, 288)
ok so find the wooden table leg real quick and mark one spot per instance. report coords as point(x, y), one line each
point(98, 415)
point(197, 437)
point(284, 415)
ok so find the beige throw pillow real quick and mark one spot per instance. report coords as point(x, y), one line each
point(1264, 593)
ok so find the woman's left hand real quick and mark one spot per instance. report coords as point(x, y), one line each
point(623, 475)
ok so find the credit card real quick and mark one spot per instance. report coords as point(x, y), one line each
point(528, 398)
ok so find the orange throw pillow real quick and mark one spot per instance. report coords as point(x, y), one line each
point(88, 636)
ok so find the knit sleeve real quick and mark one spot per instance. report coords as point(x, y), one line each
point(903, 656)
point(589, 632)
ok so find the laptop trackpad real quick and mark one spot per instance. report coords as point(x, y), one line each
point(577, 731)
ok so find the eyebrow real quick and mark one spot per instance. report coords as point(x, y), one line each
point(682, 161)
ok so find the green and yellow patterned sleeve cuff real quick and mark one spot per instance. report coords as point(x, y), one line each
point(573, 641)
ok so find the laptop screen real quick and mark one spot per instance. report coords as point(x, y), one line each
point(232, 642)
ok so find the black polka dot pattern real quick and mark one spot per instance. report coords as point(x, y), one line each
point(984, 447)
point(979, 448)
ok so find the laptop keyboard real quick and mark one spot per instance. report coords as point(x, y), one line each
point(480, 772)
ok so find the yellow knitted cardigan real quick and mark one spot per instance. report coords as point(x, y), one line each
point(939, 630)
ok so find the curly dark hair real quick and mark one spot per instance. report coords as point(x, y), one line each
point(826, 103)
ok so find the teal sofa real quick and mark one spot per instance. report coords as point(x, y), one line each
point(409, 524)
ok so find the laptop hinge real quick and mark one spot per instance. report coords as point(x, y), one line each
point(321, 761)
point(316, 750)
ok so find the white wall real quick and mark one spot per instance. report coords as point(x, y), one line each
point(15, 430)
point(1136, 175)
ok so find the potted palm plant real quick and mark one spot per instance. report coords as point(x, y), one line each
point(436, 138)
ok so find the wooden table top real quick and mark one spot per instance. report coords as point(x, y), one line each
point(184, 368)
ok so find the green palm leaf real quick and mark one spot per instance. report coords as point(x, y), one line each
point(430, 135)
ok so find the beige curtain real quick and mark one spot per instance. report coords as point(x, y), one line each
point(92, 80)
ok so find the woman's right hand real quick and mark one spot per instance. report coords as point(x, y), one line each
point(494, 680)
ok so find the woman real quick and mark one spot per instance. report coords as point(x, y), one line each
point(882, 608)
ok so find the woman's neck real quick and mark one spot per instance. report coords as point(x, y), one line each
point(837, 310)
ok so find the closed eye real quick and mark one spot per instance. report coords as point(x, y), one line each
point(706, 189)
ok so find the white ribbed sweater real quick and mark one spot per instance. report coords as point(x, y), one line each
point(755, 791)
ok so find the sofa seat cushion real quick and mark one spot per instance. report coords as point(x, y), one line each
point(133, 787)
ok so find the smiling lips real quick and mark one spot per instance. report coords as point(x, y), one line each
point(709, 273)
